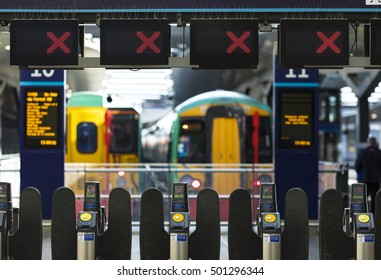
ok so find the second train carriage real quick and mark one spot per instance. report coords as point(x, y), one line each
point(103, 137)
point(220, 129)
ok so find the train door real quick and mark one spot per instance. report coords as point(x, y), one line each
point(226, 124)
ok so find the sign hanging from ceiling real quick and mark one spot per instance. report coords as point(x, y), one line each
point(224, 43)
point(44, 42)
point(375, 41)
point(311, 42)
point(135, 42)
point(193, 5)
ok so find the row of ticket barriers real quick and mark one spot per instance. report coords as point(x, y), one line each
point(348, 233)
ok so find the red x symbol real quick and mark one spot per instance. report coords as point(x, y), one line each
point(58, 42)
point(328, 42)
point(148, 42)
point(238, 42)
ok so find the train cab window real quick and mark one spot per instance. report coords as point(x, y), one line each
point(191, 145)
point(124, 129)
point(86, 137)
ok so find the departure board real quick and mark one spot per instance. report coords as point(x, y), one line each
point(296, 119)
point(42, 118)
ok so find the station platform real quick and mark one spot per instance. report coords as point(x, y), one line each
point(224, 255)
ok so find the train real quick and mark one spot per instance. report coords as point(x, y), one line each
point(102, 137)
point(226, 130)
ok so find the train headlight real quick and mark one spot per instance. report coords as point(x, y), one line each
point(196, 184)
point(121, 173)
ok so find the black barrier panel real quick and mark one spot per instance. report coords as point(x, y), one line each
point(377, 223)
point(64, 228)
point(26, 243)
point(154, 240)
point(334, 243)
point(244, 244)
point(295, 236)
point(115, 243)
point(204, 242)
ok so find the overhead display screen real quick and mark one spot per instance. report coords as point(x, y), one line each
point(224, 43)
point(135, 42)
point(375, 41)
point(44, 42)
point(296, 119)
point(309, 42)
point(43, 119)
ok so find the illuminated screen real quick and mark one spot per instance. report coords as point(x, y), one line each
point(3, 192)
point(313, 42)
point(43, 120)
point(296, 119)
point(178, 192)
point(135, 42)
point(91, 191)
point(220, 43)
point(267, 193)
point(358, 192)
point(44, 42)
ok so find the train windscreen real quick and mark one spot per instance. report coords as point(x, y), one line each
point(191, 145)
point(124, 134)
point(86, 137)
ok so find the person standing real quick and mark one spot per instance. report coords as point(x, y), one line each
point(368, 164)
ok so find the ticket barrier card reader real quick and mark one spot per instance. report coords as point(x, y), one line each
point(179, 223)
point(359, 223)
point(269, 226)
point(6, 217)
point(92, 202)
point(90, 222)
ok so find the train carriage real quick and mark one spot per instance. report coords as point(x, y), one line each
point(104, 137)
point(220, 129)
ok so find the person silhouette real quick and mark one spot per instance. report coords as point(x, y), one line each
point(368, 164)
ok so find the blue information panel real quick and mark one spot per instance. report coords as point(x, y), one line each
point(296, 134)
point(41, 132)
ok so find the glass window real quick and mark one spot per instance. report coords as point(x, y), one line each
point(124, 134)
point(191, 145)
point(86, 137)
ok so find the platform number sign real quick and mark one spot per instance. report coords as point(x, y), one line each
point(44, 42)
point(309, 42)
point(224, 43)
point(135, 42)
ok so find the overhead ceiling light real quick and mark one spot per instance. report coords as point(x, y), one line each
point(7, 47)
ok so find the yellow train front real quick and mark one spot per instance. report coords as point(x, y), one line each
point(228, 131)
point(101, 143)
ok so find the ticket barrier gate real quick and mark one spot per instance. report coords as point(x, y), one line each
point(268, 241)
point(158, 244)
point(179, 223)
point(20, 229)
point(352, 236)
point(269, 227)
point(89, 236)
